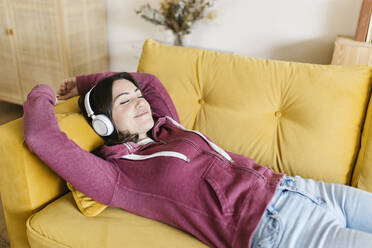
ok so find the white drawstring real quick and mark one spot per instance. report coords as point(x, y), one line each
point(157, 154)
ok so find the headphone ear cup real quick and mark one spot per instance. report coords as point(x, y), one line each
point(102, 125)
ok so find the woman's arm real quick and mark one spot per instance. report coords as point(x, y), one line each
point(88, 173)
point(156, 94)
point(85, 82)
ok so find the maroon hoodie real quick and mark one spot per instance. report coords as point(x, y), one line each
point(181, 178)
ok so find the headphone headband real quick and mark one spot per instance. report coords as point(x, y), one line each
point(88, 109)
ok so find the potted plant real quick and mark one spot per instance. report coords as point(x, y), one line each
point(177, 15)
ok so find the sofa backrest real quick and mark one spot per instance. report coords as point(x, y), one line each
point(297, 118)
point(362, 175)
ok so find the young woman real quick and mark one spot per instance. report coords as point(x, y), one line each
point(152, 166)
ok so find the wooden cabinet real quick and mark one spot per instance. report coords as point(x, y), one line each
point(10, 89)
point(45, 41)
point(347, 51)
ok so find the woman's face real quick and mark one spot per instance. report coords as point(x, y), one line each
point(130, 110)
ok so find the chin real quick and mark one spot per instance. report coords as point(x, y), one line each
point(148, 125)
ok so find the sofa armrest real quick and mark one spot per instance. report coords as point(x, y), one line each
point(26, 183)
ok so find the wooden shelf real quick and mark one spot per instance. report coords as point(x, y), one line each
point(348, 51)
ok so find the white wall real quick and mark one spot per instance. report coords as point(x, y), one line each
point(293, 30)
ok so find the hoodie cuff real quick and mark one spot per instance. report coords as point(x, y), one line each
point(43, 90)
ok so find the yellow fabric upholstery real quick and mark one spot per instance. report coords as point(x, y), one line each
point(26, 183)
point(301, 119)
point(86, 205)
point(61, 224)
point(362, 176)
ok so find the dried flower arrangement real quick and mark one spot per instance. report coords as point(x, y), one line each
point(177, 15)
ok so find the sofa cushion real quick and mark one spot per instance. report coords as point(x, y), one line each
point(297, 118)
point(60, 224)
point(86, 204)
point(362, 176)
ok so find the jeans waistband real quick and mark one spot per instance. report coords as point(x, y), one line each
point(305, 187)
point(286, 183)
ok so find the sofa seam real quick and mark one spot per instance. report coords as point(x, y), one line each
point(30, 228)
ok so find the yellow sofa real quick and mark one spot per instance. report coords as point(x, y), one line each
point(299, 119)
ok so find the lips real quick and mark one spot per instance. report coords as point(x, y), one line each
point(141, 114)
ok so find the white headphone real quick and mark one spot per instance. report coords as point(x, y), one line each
point(101, 123)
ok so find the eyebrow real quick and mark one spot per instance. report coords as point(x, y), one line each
point(124, 93)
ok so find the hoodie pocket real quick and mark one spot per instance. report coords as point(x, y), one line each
point(218, 193)
point(232, 187)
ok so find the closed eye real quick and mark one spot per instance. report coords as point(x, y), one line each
point(128, 100)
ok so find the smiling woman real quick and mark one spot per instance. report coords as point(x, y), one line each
point(131, 113)
point(181, 178)
point(119, 99)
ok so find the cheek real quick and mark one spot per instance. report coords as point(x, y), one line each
point(148, 106)
point(120, 119)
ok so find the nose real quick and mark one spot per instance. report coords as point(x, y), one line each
point(138, 103)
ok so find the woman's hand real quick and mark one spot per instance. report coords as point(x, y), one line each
point(67, 89)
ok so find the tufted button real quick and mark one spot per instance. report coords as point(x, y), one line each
point(201, 101)
point(278, 114)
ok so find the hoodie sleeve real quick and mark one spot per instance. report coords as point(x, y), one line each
point(88, 173)
point(85, 82)
point(156, 94)
point(153, 90)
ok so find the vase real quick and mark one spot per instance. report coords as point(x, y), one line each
point(170, 37)
point(180, 39)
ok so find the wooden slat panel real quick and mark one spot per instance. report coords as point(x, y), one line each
point(52, 40)
point(75, 28)
point(98, 33)
point(85, 26)
point(9, 84)
point(37, 41)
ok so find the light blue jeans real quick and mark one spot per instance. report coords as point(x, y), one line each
point(311, 214)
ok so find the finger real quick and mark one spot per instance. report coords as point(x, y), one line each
point(66, 84)
point(61, 88)
point(65, 87)
point(70, 94)
point(61, 91)
point(69, 86)
point(62, 97)
point(66, 96)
